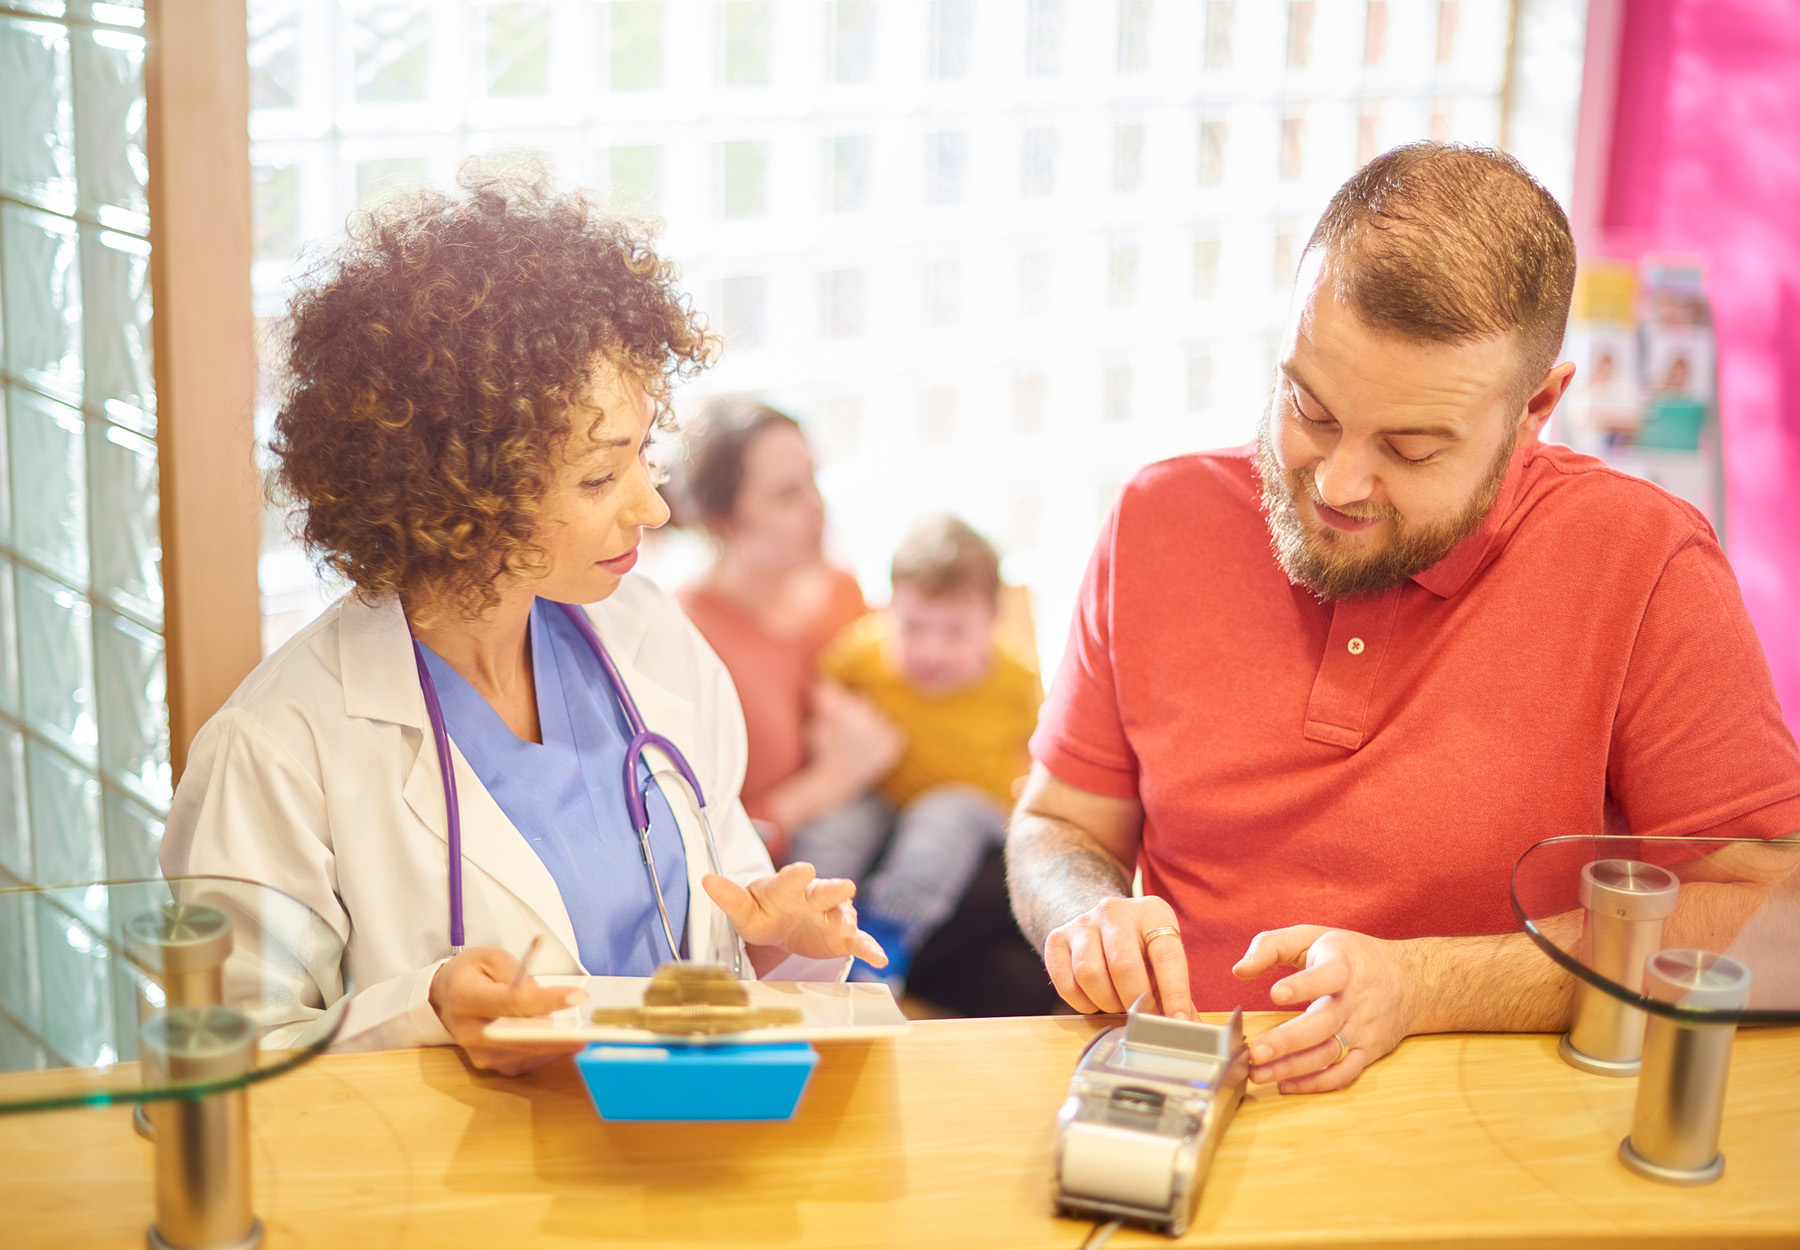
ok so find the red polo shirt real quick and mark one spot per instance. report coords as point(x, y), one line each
point(1581, 663)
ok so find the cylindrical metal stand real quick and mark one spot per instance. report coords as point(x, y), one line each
point(1626, 904)
point(1681, 1091)
point(183, 948)
point(202, 1144)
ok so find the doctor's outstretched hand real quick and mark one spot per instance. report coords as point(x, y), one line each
point(795, 912)
point(473, 988)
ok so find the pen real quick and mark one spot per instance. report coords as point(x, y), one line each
point(537, 939)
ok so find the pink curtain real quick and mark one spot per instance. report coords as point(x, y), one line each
point(1706, 158)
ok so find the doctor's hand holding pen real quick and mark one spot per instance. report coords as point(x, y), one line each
point(482, 984)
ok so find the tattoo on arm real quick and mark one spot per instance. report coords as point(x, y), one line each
point(1055, 872)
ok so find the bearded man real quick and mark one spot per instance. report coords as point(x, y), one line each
point(1323, 692)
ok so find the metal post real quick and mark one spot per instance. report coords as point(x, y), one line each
point(1681, 1091)
point(183, 948)
point(202, 1144)
point(1626, 903)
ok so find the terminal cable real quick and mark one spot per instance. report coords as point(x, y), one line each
point(1101, 1233)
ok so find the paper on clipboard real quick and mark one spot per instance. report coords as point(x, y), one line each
point(831, 1011)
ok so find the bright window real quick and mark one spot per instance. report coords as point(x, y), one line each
point(995, 256)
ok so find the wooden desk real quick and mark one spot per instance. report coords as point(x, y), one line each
point(941, 1138)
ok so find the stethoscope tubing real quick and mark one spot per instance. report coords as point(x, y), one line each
point(636, 800)
point(440, 736)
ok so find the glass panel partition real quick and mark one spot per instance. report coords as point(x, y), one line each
point(84, 739)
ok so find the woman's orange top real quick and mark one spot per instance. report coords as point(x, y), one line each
point(774, 676)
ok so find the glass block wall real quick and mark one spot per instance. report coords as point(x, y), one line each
point(995, 254)
point(84, 738)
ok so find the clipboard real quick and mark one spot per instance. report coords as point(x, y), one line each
point(831, 1011)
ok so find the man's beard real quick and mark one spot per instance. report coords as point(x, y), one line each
point(1324, 561)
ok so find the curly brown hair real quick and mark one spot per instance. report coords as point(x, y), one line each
point(433, 364)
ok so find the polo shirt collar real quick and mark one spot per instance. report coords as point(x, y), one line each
point(1452, 573)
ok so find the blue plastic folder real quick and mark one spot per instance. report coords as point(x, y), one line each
point(631, 1081)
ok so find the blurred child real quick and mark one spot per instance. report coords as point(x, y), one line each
point(931, 665)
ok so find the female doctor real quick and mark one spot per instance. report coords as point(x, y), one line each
point(473, 385)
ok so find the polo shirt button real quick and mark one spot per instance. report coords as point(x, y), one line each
point(1356, 646)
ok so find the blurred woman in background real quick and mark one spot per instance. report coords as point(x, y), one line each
point(770, 603)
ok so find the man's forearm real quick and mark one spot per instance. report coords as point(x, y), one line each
point(1055, 873)
point(1492, 984)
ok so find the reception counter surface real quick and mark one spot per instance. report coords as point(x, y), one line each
point(938, 1138)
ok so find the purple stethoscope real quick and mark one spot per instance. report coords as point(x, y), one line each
point(637, 801)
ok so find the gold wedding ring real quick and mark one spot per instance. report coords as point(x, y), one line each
point(1167, 930)
point(1343, 1047)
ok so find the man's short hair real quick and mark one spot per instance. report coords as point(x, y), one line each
point(944, 556)
point(1452, 243)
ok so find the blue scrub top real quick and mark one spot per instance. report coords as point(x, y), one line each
point(564, 796)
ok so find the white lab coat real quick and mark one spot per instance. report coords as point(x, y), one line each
point(319, 777)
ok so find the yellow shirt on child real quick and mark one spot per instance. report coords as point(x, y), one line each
point(976, 735)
